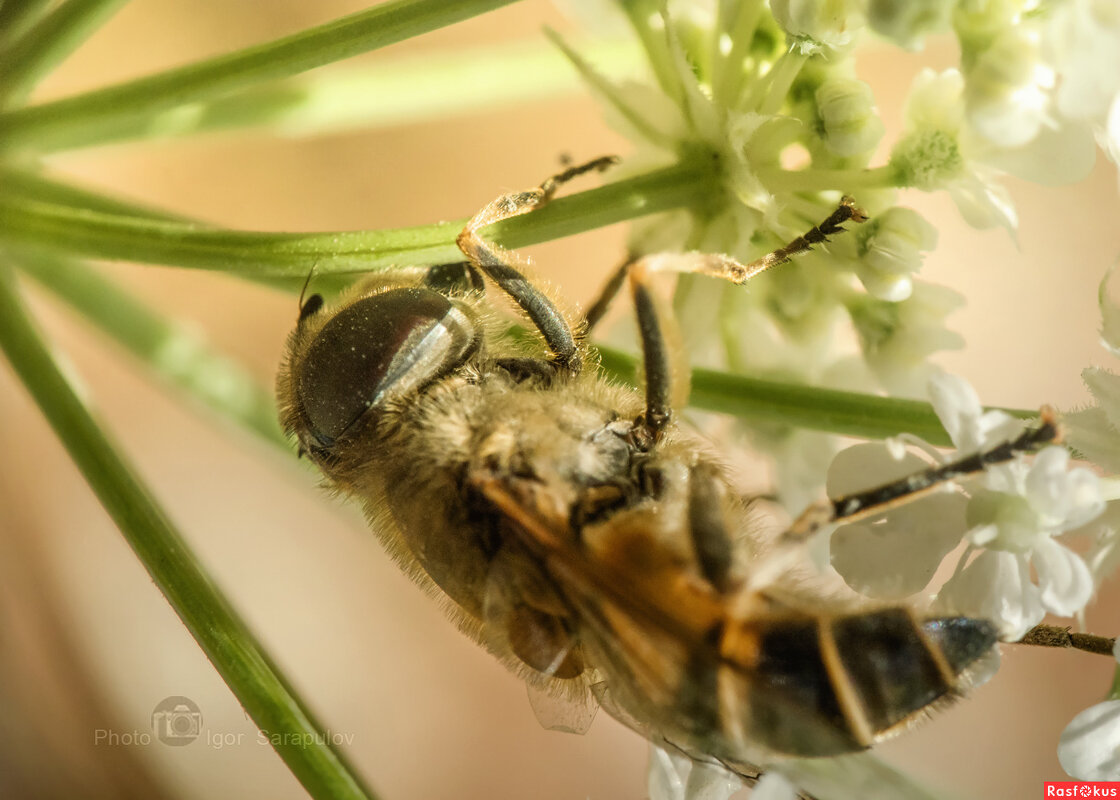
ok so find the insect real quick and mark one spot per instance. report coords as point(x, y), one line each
point(578, 533)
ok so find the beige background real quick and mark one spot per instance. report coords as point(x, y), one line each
point(88, 642)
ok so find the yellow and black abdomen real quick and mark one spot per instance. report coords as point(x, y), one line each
point(818, 686)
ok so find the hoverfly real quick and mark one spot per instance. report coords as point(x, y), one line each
point(578, 533)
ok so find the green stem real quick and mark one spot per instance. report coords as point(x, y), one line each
point(730, 71)
point(32, 188)
point(819, 180)
point(47, 44)
point(830, 410)
point(244, 665)
point(85, 232)
point(176, 352)
point(611, 94)
point(1114, 690)
point(105, 112)
point(16, 16)
point(779, 79)
point(656, 46)
point(402, 91)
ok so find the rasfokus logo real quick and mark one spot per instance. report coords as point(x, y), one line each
point(1081, 789)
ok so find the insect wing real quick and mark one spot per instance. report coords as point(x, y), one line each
point(572, 712)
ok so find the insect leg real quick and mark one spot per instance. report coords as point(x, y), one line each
point(655, 355)
point(851, 507)
point(707, 525)
point(722, 266)
point(498, 263)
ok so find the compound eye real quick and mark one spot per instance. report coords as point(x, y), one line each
point(376, 349)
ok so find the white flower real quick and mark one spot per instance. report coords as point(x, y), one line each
point(898, 338)
point(1089, 747)
point(1015, 518)
point(1012, 520)
point(675, 776)
point(817, 24)
point(933, 152)
point(958, 407)
point(1007, 89)
point(1084, 43)
point(890, 248)
point(941, 149)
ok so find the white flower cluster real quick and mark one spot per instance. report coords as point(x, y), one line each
point(1014, 521)
point(771, 98)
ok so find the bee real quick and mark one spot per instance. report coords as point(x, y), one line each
point(572, 528)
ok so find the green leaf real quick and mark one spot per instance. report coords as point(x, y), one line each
point(241, 661)
point(102, 114)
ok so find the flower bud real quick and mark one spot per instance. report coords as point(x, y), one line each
point(847, 113)
point(891, 247)
point(1007, 89)
point(819, 24)
point(907, 24)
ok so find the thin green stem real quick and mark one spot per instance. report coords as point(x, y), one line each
point(16, 16)
point(23, 186)
point(96, 234)
point(407, 90)
point(47, 44)
point(830, 410)
point(247, 669)
point(610, 93)
point(1114, 690)
point(173, 350)
point(780, 78)
point(104, 113)
point(819, 180)
point(656, 45)
point(727, 79)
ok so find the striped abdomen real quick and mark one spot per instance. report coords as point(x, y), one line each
point(820, 686)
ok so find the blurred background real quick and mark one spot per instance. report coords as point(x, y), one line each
point(88, 644)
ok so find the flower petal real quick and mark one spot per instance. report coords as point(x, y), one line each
point(897, 556)
point(774, 787)
point(1063, 578)
point(996, 586)
point(1089, 747)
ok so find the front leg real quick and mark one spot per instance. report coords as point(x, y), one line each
point(498, 263)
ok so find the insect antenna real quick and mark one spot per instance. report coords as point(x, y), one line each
point(314, 302)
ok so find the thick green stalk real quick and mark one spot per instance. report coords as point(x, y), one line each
point(829, 410)
point(242, 662)
point(105, 113)
point(47, 44)
point(177, 353)
point(76, 231)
